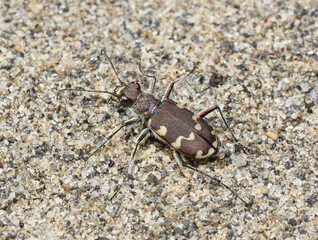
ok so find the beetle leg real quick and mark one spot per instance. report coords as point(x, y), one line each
point(178, 158)
point(182, 163)
point(143, 136)
point(168, 91)
point(170, 87)
point(206, 112)
point(124, 124)
point(152, 87)
point(103, 52)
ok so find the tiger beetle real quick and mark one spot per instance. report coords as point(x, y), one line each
point(187, 133)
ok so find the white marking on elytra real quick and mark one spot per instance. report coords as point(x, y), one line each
point(215, 144)
point(162, 131)
point(179, 105)
point(197, 126)
point(177, 143)
point(200, 152)
point(149, 123)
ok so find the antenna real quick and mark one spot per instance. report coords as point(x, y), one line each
point(83, 90)
point(103, 51)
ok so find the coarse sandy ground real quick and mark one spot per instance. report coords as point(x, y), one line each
point(258, 62)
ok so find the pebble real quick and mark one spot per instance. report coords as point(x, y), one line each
point(272, 135)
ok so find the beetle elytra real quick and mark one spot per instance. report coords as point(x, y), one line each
point(186, 133)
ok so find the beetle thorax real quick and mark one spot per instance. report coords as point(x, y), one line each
point(146, 104)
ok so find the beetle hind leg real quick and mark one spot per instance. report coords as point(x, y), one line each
point(206, 112)
point(182, 164)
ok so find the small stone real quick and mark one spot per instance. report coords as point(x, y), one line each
point(152, 179)
point(65, 187)
point(151, 208)
point(292, 222)
point(24, 29)
point(304, 87)
point(164, 194)
point(272, 135)
point(38, 7)
point(282, 116)
point(15, 221)
point(186, 224)
point(312, 199)
point(33, 44)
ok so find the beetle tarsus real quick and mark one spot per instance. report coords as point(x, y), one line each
point(250, 203)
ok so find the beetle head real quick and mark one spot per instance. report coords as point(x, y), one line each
point(128, 94)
